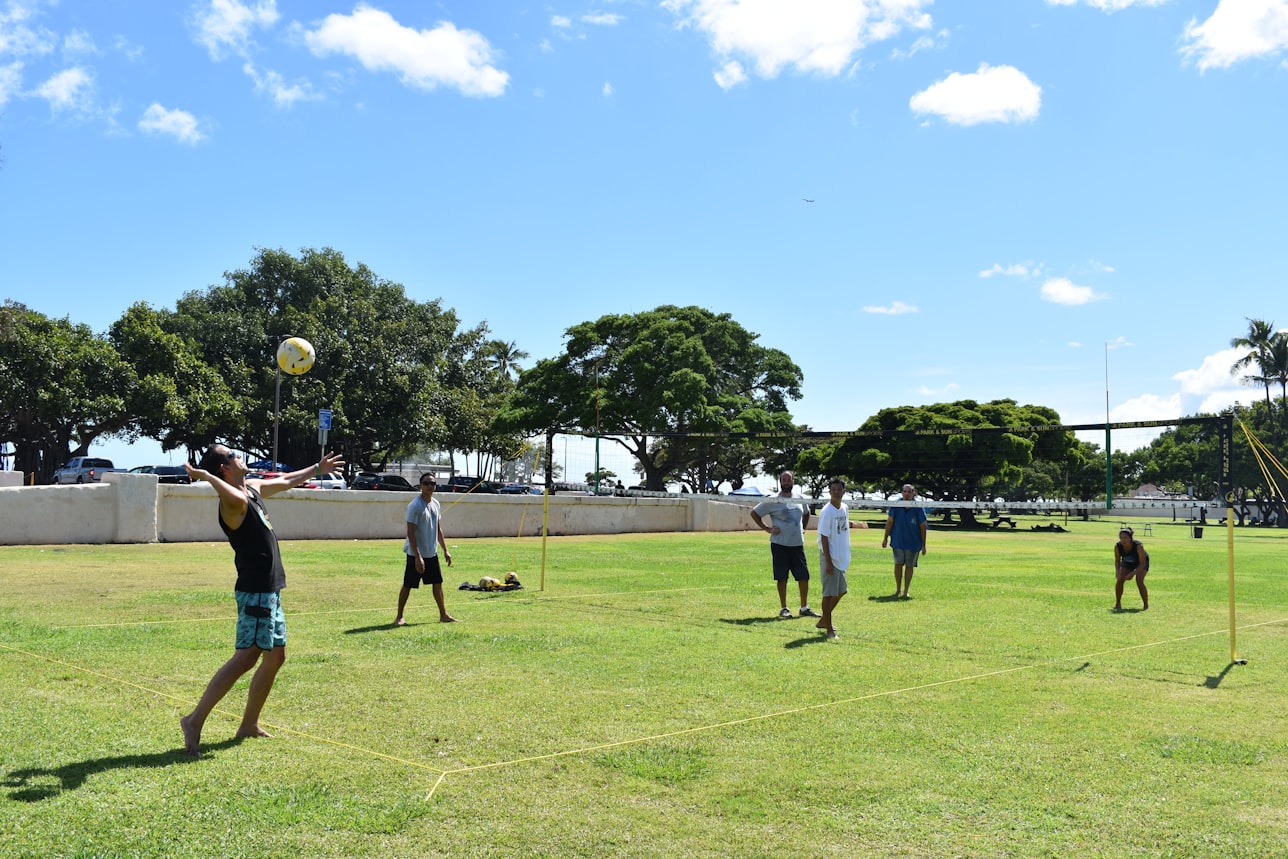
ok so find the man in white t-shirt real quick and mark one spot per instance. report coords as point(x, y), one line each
point(834, 552)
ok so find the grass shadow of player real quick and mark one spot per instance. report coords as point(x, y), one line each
point(35, 784)
point(888, 598)
point(817, 638)
point(379, 627)
point(754, 621)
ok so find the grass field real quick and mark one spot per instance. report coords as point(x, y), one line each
point(649, 703)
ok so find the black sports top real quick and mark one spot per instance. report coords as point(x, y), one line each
point(258, 560)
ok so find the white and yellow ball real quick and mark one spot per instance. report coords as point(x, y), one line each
point(295, 356)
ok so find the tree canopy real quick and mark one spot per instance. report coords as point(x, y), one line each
point(64, 387)
point(922, 448)
point(649, 379)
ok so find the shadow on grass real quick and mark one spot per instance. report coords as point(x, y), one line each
point(819, 638)
point(1214, 682)
point(1126, 610)
point(888, 598)
point(40, 783)
point(756, 621)
point(377, 628)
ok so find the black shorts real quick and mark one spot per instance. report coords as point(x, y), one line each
point(433, 574)
point(789, 559)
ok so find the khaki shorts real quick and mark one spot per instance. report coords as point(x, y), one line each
point(834, 585)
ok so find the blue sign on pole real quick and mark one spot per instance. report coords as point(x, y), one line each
point(324, 419)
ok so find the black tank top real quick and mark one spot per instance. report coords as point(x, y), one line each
point(256, 556)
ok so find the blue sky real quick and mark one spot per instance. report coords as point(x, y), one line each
point(1006, 195)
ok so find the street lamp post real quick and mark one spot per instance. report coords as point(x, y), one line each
point(277, 407)
point(597, 428)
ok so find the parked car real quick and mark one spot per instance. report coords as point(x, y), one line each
point(326, 481)
point(164, 473)
point(514, 489)
point(372, 480)
point(461, 483)
point(84, 469)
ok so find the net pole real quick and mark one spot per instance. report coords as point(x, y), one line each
point(1229, 550)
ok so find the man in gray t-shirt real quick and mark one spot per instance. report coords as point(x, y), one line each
point(788, 518)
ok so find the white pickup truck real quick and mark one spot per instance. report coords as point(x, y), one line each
point(83, 469)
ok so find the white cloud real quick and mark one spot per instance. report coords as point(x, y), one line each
point(1061, 290)
point(923, 43)
point(132, 52)
point(560, 22)
point(1019, 269)
point(274, 85)
point(602, 19)
point(1108, 5)
point(1074, 344)
point(1118, 343)
point(69, 91)
point(1147, 407)
point(10, 81)
point(1211, 387)
point(820, 36)
point(546, 46)
point(226, 25)
point(425, 59)
point(730, 75)
point(608, 89)
point(20, 40)
point(991, 94)
point(1238, 30)
point(949, 388)
point(179, 124)
point(79, 43)
point(895, 309)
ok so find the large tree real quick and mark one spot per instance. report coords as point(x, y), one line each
point(63, 388)
point(929, 447)
point(671, 372)
point(382, 357)
point(178, 399)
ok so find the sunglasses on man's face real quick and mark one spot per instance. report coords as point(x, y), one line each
point(428, 483)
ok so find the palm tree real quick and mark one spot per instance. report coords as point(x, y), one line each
point(1276, 369)
point(1257, 341)
point(506, 355)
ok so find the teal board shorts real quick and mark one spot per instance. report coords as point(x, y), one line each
point(260, 621)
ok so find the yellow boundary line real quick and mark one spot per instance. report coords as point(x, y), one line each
point(442, 774)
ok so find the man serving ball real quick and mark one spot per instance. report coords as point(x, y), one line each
point(261, 626)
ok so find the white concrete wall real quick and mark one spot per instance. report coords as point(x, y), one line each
point(11, 478)
point(133, 508)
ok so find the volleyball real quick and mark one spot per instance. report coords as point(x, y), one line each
point(295, 355)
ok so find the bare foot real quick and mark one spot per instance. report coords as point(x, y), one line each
point(446, 618)
point(398, 621)
point(831, 633)
point(255, 731)
point(191, 736)
point(820, 625)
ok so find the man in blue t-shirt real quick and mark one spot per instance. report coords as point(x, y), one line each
point(905, 532)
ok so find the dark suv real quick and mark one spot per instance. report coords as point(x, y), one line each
point(461, 483)
point(388, 482)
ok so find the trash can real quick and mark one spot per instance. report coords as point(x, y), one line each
point(1198, 532)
